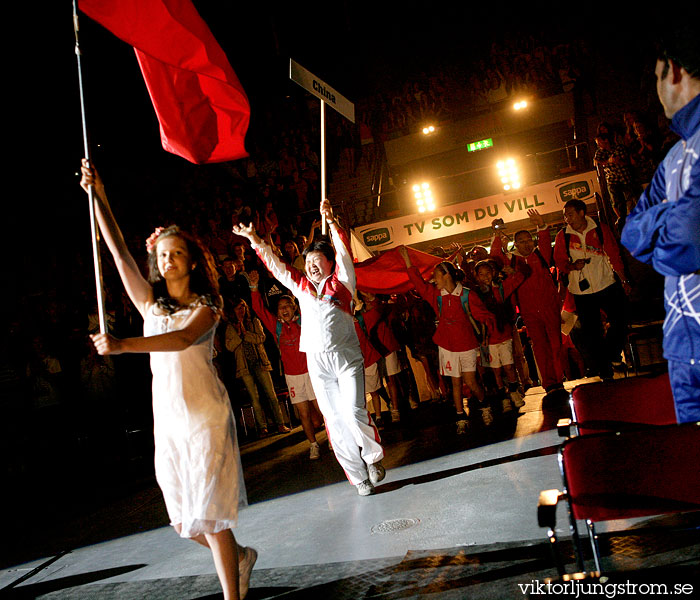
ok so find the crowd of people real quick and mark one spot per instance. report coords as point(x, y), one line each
point(515, 67)
point(628, 153)
point(484, 326)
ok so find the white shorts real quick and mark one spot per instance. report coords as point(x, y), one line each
point(453, 364)
point(372, 379)
point(500, 354)
point(300, 389)
point(392, 364)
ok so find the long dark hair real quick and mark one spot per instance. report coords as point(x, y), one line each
point(247, 318)
point(203, 279)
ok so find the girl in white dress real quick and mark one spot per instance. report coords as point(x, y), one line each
point(197, 460)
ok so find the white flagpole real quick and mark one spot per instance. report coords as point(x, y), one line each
point(323, 162)
point(91, 190)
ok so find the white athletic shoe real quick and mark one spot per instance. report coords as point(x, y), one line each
point(314, 451)
point(245, 567)
point(507, 405)
point(462, 426)
point(376, 472)
point(395, 415)
point(365, 488)
point(486, 415)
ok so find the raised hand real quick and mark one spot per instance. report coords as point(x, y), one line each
point(535, 217)
point(246, 231)
point(326, 210)
point(254, 278)
point(90, 176)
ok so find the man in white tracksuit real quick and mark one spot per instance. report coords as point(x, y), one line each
point(333, 354)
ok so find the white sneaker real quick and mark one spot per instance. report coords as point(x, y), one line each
point(314, 451)
point(517, 399)
point(507, 405)
point(376, 472)
point(462, 426)
point(486, 415)
point(365, 488)
point(395, 415)
point(245, 567)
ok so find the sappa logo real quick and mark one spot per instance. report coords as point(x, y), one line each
point(376, 237)
point(577, 189)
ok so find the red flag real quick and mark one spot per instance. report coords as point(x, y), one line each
point(201, 106)
point(386, 274)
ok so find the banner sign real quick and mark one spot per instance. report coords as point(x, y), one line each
point(477, 214)
point(322, 90)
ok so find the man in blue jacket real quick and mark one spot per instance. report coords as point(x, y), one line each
point(664, 227)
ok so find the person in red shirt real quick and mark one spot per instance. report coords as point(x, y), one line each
point(287, 331)
point(454, 336)
point(537, 298)
point(491, 305)
point(375, 316)
point(371, 358)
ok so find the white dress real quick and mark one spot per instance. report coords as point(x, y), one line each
point(197, 461)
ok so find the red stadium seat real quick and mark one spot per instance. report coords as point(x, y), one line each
point(621, 475)
point(622, 404)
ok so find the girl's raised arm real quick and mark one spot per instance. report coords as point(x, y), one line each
point(137, 287)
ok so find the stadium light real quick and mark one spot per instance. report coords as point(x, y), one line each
point(428, 129)
point(509, 174)
point(424, 197)
point(520, 105)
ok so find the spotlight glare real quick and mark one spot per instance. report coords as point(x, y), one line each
point(416, 188)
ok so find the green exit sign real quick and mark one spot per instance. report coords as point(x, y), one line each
point(480, 145)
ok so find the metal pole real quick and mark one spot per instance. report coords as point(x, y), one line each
point(91, 190)
point(323, 162)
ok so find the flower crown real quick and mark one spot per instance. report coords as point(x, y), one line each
point(153, 238)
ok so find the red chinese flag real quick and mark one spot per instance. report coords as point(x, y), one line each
point(386, 274)
point(201, 106)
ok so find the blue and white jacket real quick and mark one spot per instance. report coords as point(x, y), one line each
point(663, 230)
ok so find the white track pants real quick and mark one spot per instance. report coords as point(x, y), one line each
point(338, 378)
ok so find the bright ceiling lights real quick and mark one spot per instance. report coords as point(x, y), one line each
point(509, 174)
point(424, 197)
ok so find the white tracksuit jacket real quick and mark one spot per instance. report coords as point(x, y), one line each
point(333, 354)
